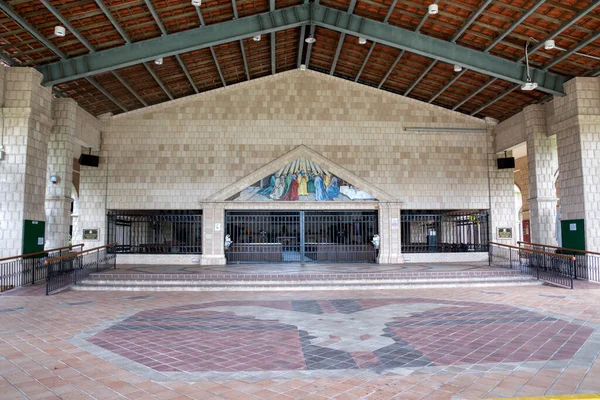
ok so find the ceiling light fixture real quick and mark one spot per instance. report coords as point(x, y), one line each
point(457, 68)
point(362, 40)
point(310, 39)
point(256, 38)
point(549, 44)
point(196, 3)
point(529, 85)
point(158, 61)
point(60, 31)
point(433, 9)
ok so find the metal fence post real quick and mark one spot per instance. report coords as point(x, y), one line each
point(47, 277)
point(97, 260)
point(573, 265)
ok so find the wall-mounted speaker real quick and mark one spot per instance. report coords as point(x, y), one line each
point(506, 163)
point(89, 160)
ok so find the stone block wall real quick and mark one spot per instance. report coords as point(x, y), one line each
point(174, 155)
point(27, 120)
point(577, 123)
point(522, 181)
point(510, 133)
point(60, 164)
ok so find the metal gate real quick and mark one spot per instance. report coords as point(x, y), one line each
point(301, 236)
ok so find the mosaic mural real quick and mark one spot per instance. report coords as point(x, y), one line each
point(302, 180)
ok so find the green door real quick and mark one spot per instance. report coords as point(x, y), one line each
point(573, 234)
point(33, 236)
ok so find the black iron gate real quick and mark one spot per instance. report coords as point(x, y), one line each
point(301, 236)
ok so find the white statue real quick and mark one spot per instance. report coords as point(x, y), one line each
point(228, 241)
point(375, 241)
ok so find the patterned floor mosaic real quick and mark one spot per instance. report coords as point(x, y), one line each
point(430, 344)
point(268, 339)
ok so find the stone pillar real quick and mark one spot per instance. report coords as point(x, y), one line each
point(213, 233)
point(502, 195)
point(94, 189)
point(389, 233)
point(26, 118)
point(577, 126)
point(542, 161)
point(60, 165)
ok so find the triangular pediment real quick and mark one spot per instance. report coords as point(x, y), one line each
point(301, 175)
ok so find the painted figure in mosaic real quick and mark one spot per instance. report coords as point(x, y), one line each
point(310, 185)
point(292, 193)
point(302, 184)
point(279, 188)
point(287, 183)
point(320, 190)
point(267, 191)
point(333, 190)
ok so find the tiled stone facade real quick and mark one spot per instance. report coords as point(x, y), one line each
point(510, 133)
point(577, 122)
point(177, 154)
point(27, 122)
point(501, 191)
point(60, 164)
point(542, 166)
point(522, 182)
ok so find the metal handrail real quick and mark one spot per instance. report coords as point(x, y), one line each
point(559, 248)
point(72, 255)
point(41, 252)
point(571, 258)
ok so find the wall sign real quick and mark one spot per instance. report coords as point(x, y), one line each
point(217, 227)
point(505, 233)
point(91, 234)
point(394, 223)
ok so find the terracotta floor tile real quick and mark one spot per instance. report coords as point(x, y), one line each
point(422, 343)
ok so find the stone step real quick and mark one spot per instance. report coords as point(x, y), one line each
point(112, 276)
point(267, 282)
point(379, 284)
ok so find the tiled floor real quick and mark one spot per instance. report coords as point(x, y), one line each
point(420, 343)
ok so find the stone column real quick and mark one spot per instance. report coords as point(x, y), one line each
point(60, 165)
point(213, 233)
point(502, 195)
point(577, 126)
point(389, 233)
point(26, 122)
point(94, 194)
point(542, 161)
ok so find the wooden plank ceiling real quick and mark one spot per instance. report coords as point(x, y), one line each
point(370, 64)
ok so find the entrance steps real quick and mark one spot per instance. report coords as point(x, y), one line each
point(301, 282)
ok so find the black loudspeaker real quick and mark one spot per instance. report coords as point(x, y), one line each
point(89, 160)
point(506, 163)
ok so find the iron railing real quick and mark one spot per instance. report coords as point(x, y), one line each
point(557, 269)
point(28, 268)
point(68, 269)
point(155, 231)
point(301, 236)
point(428, 231)
point(587, 263)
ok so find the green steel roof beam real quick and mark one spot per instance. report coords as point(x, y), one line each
point(538, 46)
point(172, 44)
point(9, 11)
point(431, 47)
